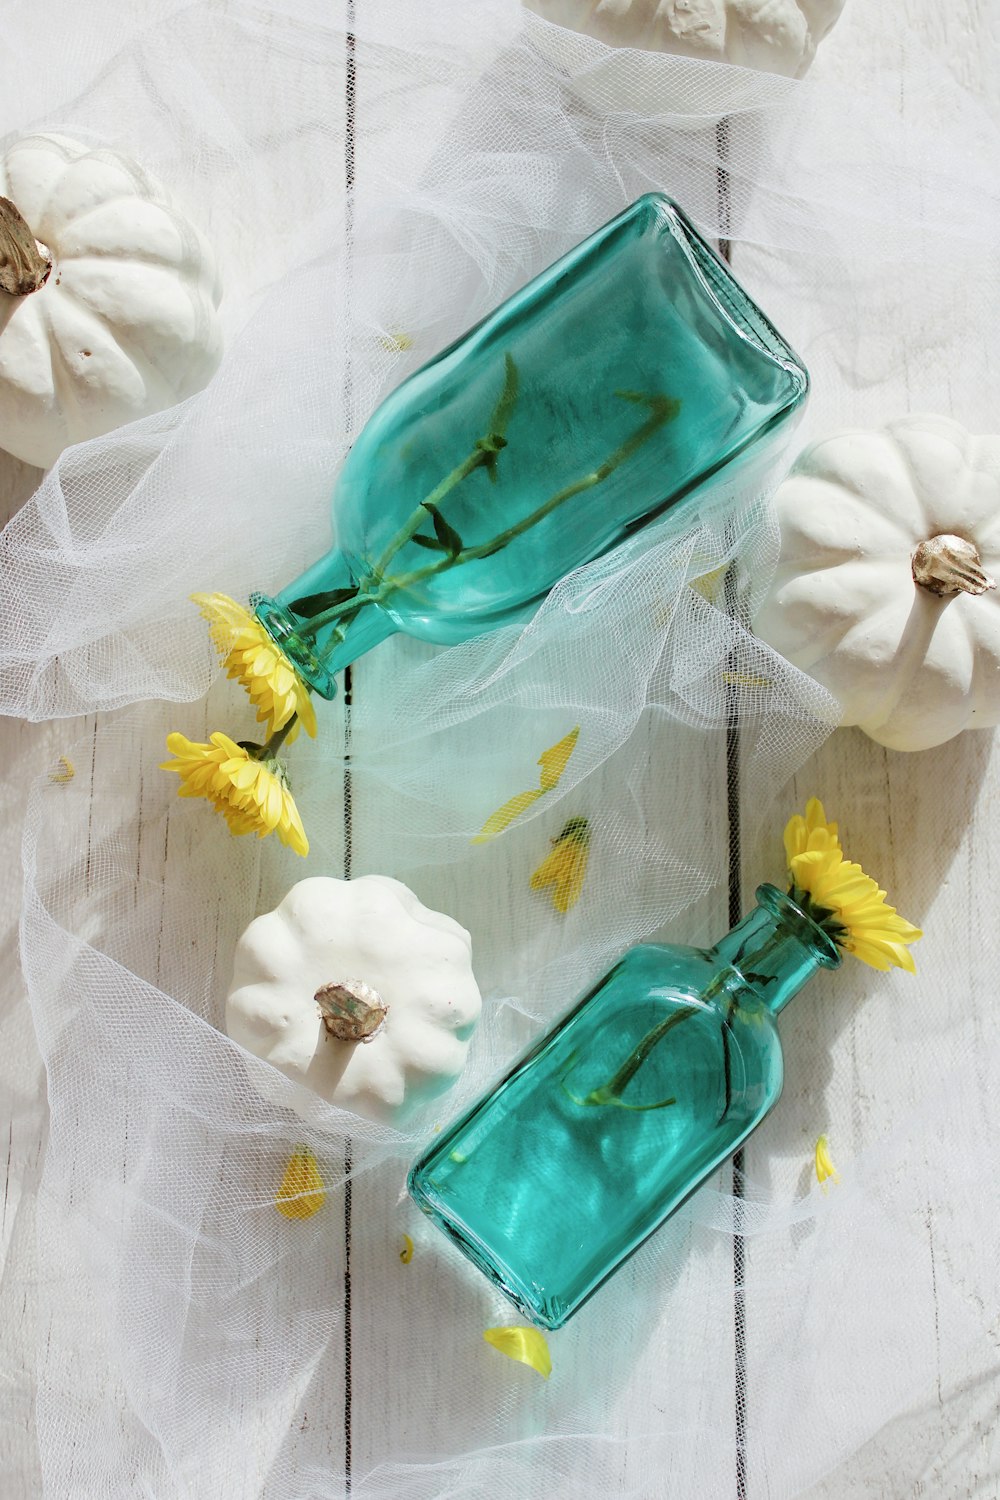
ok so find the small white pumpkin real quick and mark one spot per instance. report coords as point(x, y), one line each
point(776, 36)
point(359, 991)
point(108, 297)
point(886, 585)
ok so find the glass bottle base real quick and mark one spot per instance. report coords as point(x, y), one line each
point(544, 1312)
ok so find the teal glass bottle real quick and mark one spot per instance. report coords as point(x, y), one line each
point(621, 1111)
point(604, 393)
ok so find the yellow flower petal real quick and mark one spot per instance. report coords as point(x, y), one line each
point(565, 866)
point(880, 955)
point(746, 679)
point(524, 1344)
point(825, 1169)
point(290, 829)
point(406, 1254)
point(709, 585)
point(251, 657)
point(66, 771)
point(811, 832)
point(553, 762)
point(250, 794)
point(504, 816)
point(395, 343)
point(302, 1192)
point(845, 901)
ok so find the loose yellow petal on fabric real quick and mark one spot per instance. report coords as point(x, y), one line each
point(66, 771)
point(406, 1254)
point(564, 868)
point(553, 762)
point(841, 898)
point(746, 679)
point(825, 1169)
point(710, 584)
point(302, 1192)
point(526, 1345)
point(504, 816)
point(396, 343)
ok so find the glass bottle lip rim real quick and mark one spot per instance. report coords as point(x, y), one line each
point(780, 903)
point(280, 626)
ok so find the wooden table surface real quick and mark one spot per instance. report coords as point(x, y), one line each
point(943, 1443)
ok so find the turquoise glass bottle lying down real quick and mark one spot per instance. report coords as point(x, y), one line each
point(621, 1111)
point(652, 1081)
point(611, 389)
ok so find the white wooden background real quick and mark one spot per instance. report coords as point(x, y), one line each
point(948, 1445)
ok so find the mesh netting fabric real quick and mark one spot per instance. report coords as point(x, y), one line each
point(185, 1339)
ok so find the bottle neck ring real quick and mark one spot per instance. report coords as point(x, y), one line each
point(777, 948)
point(324, 621)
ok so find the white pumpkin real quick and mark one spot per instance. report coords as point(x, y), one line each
point(886, 586)
point(108, 305)
point(359, 991)
point(776, 36)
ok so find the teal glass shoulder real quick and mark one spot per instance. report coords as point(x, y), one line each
point(604, 393)
point(621, 1111)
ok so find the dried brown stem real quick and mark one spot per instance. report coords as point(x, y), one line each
point(25, 264)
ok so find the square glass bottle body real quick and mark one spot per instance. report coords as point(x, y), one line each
point(640, 318)
point(618, 1114)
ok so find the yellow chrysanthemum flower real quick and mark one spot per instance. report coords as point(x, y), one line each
point(841, 898)
point(251, 657)
point(553, 762)
point(565, 866)
point(250, 794)
point(825, 1169)
point(302, 1192)
point(524, 1344)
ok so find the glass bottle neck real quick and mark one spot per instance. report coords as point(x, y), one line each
point(776, 948)
point(324, 621)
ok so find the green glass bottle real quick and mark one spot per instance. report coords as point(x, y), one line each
point(604, 393)
point(622, 1110)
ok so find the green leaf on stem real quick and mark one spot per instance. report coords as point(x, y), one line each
point(448, 537)
point(508, 399)
point(496, 439)
point(317, 604)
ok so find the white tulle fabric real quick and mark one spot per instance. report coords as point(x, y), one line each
point(186, 1339)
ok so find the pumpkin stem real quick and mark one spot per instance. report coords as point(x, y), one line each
point(351, 1010)
point(950, 565)
point(25, 263)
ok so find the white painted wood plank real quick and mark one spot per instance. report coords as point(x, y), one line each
point(469, 1398)
point(858, 1067)
point(424, 1384)
point(25, 752)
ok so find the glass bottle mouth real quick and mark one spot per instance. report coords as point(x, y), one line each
point(282, 627)
point(800, 925)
